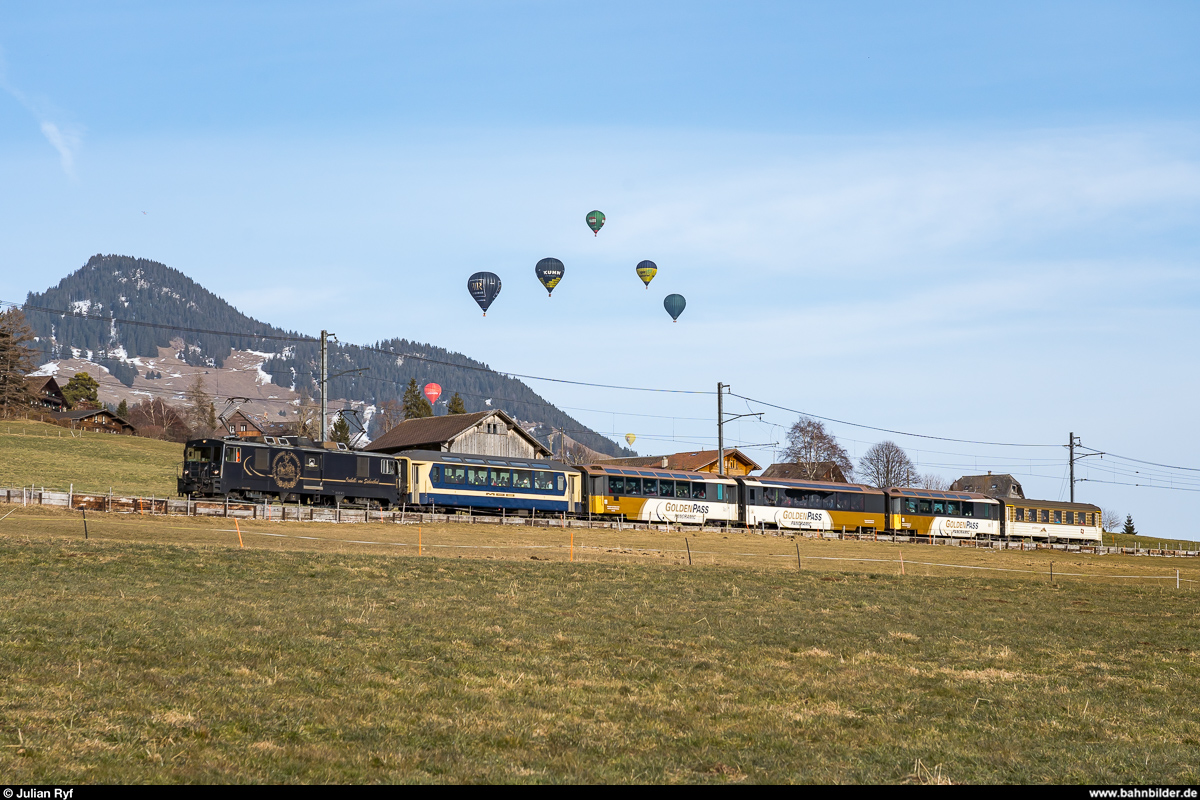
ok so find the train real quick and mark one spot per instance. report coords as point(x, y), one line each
point(294, 469)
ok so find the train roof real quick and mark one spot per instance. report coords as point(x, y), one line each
point(474, 459)
point(823, 486)
point(652, 472)
point(1021, 502)
point(299, 442)
point(907, 491)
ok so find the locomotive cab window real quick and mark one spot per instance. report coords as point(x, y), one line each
point(233, 455)
point(200, 454)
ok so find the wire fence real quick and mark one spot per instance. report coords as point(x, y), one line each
point(113, 506)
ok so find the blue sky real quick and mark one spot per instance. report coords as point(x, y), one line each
point(968, 222)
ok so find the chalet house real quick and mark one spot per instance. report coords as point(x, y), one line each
point(736, 462)
point(999, 486)
point(807, 471)
point(247, 425)
point(484, 433)
point(46, 393)
point(95, 420)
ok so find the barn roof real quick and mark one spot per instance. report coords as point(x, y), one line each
point(435, 433)
point(693, 460)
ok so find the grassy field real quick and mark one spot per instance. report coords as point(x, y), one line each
point(160, 651)
point(39, 454)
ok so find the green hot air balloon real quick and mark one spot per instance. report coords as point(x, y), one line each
point(549, 271)
point(674, 304)
point(646, 270)
point(595, 221)
point(484, 286)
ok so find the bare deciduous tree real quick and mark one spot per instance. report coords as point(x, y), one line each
point(935, 482)
point(810, 445)
point(886, 464)
point(1110, 519)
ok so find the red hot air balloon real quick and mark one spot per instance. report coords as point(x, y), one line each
point(432, 392)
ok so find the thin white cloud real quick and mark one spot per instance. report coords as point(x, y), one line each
point(66, 140)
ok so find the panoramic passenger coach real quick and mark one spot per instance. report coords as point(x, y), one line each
point(659, 495)
point(958, 515)
point(812, 505)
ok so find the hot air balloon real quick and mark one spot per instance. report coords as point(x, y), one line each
point(674, 304)
point(549, 271)
point(646, 270)
point(629, 437)
point(484, 286)
point(595, 221)
point(432, 392)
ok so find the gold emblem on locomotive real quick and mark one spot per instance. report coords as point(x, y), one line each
point(286, 470)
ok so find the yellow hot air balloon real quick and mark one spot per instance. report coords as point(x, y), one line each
point(629, 437)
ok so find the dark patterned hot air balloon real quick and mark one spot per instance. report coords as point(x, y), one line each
point(595, 221)
point(674, 304)
point(549, 271)
point(484, 286)
point(646, 270)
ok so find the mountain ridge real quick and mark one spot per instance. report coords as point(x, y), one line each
point(152, 308)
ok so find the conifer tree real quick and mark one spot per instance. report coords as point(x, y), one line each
point(456, 405)
point(123, 410)
point(415, 404)
point(16, 362)
point(80, 391)
point(1129, 529)
point(340, 432)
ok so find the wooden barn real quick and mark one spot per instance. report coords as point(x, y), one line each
point(484, 433)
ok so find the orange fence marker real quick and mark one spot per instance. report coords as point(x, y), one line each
point(239, 530)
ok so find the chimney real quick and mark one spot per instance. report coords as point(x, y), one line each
point(664, 466)
point(989, 472)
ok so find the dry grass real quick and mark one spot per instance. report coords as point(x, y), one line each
point(159, 651)
point(40, 454)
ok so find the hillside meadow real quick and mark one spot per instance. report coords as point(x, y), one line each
point(160, 651)
point(40, 454)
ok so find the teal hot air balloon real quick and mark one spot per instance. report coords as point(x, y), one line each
point(674, 304)
point(595, 221)
point(484, 286)
point(549, 271)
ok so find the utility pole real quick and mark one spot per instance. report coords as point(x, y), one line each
point(324, 384)
point(1071, 450)
point(720, 431)
point(721, 420)
point(1072, 442)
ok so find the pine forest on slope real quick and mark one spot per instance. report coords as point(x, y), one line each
point(145, 291)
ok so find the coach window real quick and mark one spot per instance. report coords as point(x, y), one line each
point(827, 500)
point(435, 474)
point(650, 487)
point(477, 476)
point(454, 474)
point(501, 478)
point(924, 507)
point(562, 482)
point(633, 486)
point(968, 510)
point(700, 491)
point(1019, 514)
point(666, 488)
point(794, 498)
point(769, 496)
point(543, 480)
point(939, 508)
point(910, 505)
point(1045, 514)
point(1057, 516)
point(522, 479)
point(951, 508)
point(856, 502)
point(1069, 517)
